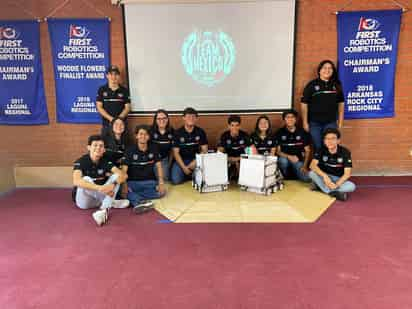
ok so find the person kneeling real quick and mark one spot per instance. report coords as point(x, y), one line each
point(97, 180)
point(233, 142)
point(332, 166)
point(139, 163)
point(293, 147)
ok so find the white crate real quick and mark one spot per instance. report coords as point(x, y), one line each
point(260, 174)
point(211, 173)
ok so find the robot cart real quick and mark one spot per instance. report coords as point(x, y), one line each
point(260, 174)
point(211, 173)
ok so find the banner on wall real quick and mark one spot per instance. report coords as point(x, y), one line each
point(367, 53)
point(22, 99)
point(81, 54)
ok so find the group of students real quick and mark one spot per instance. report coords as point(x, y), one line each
point(138, 172)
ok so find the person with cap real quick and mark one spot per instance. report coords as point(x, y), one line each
point(293, 147)
point(113, 100)
point(188, 140)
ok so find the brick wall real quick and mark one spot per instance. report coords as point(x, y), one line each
point(378, 146)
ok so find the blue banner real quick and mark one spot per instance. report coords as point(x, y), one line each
point(81, 54)
point(22, 99)
point(367, 53)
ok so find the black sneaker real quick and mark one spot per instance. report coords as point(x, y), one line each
point(143, 206)
point(313, 187)
point(340, 196)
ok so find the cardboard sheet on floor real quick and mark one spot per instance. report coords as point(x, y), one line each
point(296, 203)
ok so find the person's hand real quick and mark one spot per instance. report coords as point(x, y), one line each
point(328, 182)
point(186, 170)
point(304, 170)
point(306, 126)
point(192, 165)
point(107, 189)
point(161, 188)
point(293, 159)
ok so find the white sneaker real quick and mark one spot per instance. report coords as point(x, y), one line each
point(101, 216)
point(120, 203)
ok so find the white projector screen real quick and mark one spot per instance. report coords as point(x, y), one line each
point(216, 57)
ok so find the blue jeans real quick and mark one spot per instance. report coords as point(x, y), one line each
point(284, 164)
point(165, 168)
point(347, 186)
point(316, 130)
point(141, 190)
point(177, 175)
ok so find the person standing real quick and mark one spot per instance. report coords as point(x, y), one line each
point(113, 100)
point(322, 103)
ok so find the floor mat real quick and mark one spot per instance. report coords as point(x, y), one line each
point(296, 203)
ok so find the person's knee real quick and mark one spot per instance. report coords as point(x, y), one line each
point(88, 179)
point(350, 186)
point(312, 175)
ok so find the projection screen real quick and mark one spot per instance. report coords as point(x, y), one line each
point(216, 57)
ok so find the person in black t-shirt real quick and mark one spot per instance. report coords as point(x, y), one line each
point(322, 103)
point(96, 180)
point(139, 163)
point(188, 140)
point(332, 167)
point(293, 147)
point(161, 135)
point(115, 141)
point(262, 137)
point(113, 100)
point(233, 142)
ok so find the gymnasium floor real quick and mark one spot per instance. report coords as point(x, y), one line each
point(357, 255)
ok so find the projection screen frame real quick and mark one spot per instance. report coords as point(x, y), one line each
point(213, 112)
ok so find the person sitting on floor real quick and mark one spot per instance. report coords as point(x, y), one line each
point(262, 136)
point(331, 167)
point(97, 180)
point(188, 140)
point(139, 163)
point(161, 135)
point(115, 141)
point(293, 147)
point(233, 142)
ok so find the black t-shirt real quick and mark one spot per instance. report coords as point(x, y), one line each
point(141, 163)
point(163, 142)
point(293, 143)
point(99, 171)
point(114, 149)
point(334, 164)
point(234, 145)
point(323, 100)
point(189, 143)
point(113, 100)
point(263, 146)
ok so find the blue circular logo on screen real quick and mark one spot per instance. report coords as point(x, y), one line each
point(208, 57)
